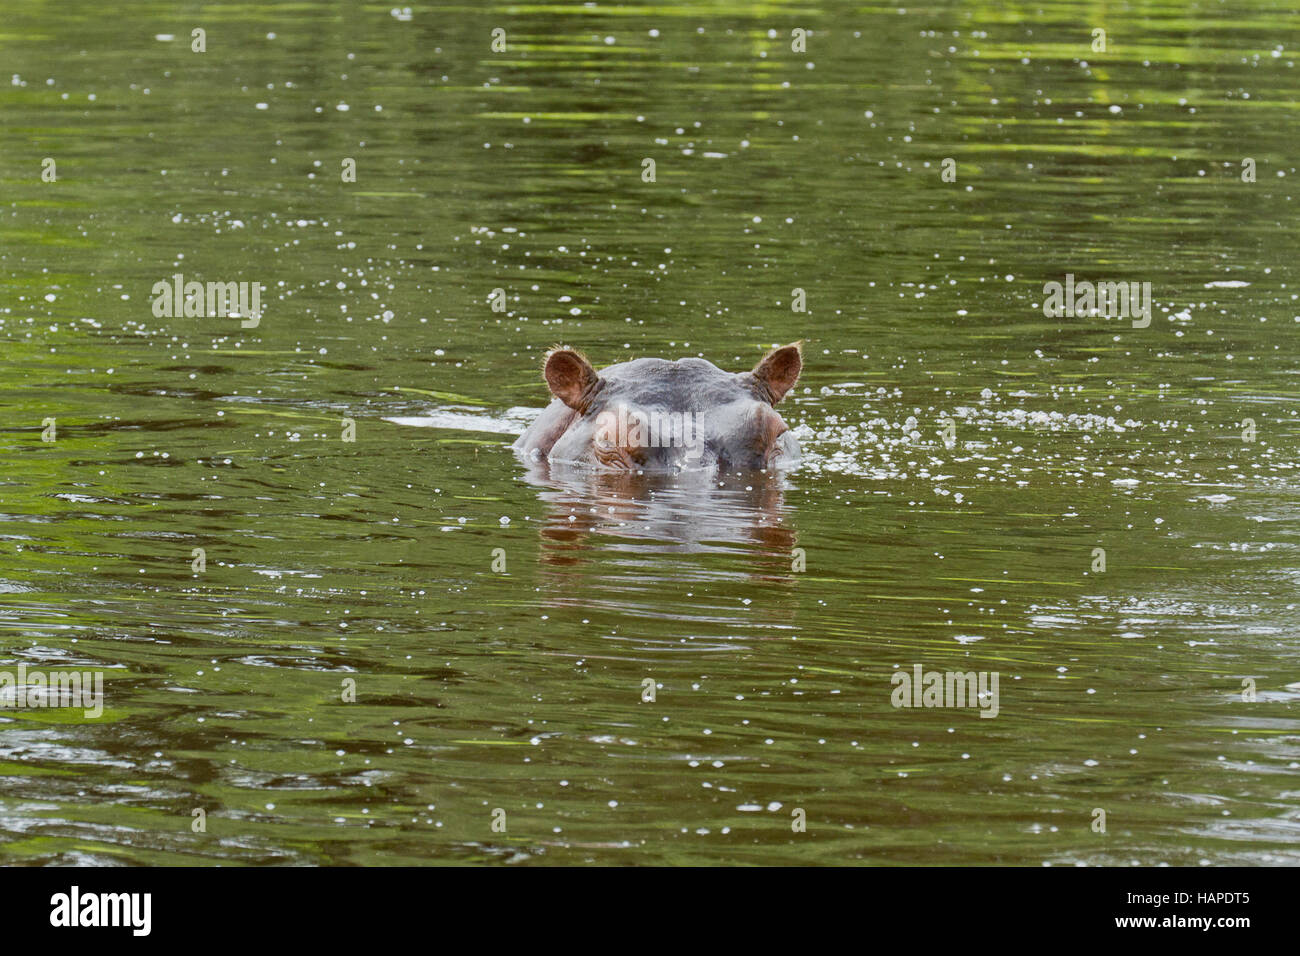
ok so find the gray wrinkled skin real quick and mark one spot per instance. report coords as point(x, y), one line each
point(692, 416)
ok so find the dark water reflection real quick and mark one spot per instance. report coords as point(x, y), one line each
point(676, 552)
point(686, 513)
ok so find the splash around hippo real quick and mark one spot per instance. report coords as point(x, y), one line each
point(657, 416)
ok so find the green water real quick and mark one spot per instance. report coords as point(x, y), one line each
point(769, 614)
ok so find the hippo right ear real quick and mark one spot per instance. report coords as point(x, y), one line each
point(570, 377)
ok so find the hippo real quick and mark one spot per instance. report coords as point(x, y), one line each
point(653, 415)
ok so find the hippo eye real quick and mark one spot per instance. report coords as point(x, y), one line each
point(603, 436)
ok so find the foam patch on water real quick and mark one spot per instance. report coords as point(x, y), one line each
point(975, 442)
point(464, 418)
point(872, 447)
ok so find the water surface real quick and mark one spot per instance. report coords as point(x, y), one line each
point(499, 623)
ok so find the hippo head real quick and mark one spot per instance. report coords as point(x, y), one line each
point(652, 415)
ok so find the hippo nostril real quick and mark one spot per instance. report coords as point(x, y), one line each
point(609, 455)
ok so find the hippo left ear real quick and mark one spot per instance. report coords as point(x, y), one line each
point(778, 371)
point(570, 377)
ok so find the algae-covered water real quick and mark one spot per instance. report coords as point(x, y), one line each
point(337, 622)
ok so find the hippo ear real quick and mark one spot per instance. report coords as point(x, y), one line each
point(570, 377)
point(779, 370)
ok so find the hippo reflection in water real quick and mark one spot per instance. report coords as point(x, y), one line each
point(626, 516)
point(656, 416)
